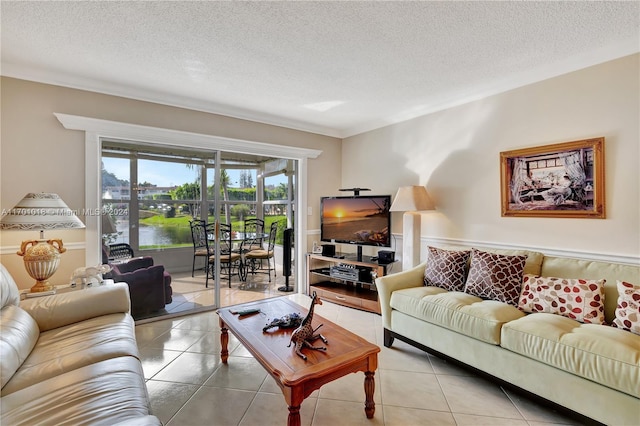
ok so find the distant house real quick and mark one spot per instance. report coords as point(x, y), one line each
point(123, 192)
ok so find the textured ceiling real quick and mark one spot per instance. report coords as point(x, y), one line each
point(335, 68)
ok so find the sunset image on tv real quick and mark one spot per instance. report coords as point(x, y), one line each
point(356, 220)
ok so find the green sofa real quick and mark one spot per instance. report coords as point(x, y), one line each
point(591, 369)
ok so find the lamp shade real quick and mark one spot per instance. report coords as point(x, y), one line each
point(412, 199)
point(40, 211)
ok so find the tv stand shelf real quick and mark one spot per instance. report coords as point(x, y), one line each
point(357, 293)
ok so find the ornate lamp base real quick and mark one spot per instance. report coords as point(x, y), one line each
point(41, 260)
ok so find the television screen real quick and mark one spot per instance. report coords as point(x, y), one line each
point(362, 220)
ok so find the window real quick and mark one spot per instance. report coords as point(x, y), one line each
point(152, 195)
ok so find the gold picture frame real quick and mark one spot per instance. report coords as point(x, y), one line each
point(559, 180)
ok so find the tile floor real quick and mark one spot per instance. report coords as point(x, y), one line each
point(190, 293)
point(189, 385)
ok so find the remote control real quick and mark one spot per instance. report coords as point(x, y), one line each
point(248, 311)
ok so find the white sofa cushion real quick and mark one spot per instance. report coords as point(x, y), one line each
point(18, 335)
point(457, 311)
point(75, 306)
point(604, 354)
point(74, 346)
point(9, 293)
point(104, 393)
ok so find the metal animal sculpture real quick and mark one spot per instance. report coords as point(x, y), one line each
point(287, 321)
point(305, 333)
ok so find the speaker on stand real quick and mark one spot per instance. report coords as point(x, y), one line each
point(286, 259)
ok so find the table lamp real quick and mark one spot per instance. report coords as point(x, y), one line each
point(411, 200)
point(41, 212)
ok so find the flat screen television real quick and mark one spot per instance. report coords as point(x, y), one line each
point(362, 220)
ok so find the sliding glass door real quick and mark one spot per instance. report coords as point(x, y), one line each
point(152, 193)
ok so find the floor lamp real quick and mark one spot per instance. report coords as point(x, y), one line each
point(411, 200)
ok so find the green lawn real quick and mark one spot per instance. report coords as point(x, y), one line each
point(179, 230)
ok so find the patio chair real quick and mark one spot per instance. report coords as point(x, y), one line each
point(200, 243)
point(254, 258)
point(253, 234)
point(230, 260)
point(120, 251)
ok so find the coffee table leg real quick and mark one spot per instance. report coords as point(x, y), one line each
point(294, 416)
point(224, 342)
point(369, 388)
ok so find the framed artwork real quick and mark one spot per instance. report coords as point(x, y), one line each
point(559, 180)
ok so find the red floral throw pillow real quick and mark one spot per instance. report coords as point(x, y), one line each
point(628, 310)
point(446, 269)
point(495, 276)
point(578, 299)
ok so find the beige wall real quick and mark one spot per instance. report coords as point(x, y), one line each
point(37, 154)
point(455, 153)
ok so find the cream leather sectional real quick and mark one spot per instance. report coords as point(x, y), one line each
point(70, 359)
point(592, 369)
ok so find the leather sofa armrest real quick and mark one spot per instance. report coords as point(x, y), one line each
point(74, 306)
point(387, 284)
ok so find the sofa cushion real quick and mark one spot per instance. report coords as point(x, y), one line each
point(446, 269)
point(457, 311)
point(604, 354)
point(104, 393)
point(18, 335)
point(578, 299)
point(628, 309)
point(495, 276)
point(9, 293)
point(74, 346)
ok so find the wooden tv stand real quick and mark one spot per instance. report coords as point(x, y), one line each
point(356, 292)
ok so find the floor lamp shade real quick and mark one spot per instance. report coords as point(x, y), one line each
point(41, 211)
point(411, 199)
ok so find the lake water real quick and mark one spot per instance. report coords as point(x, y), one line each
point(155, 235)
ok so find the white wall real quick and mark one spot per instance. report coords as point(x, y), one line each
point(455, 153)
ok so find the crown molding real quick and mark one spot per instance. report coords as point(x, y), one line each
point(169, 137)
point(136, 93)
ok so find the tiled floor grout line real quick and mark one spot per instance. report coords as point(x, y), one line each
point(205, 325)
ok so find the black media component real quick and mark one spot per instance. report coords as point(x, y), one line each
point(328, 250)
point(286, 258)
point(386, 256)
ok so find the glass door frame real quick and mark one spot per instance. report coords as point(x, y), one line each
point(96, 129)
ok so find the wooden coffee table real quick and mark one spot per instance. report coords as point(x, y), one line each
point(346, 352)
